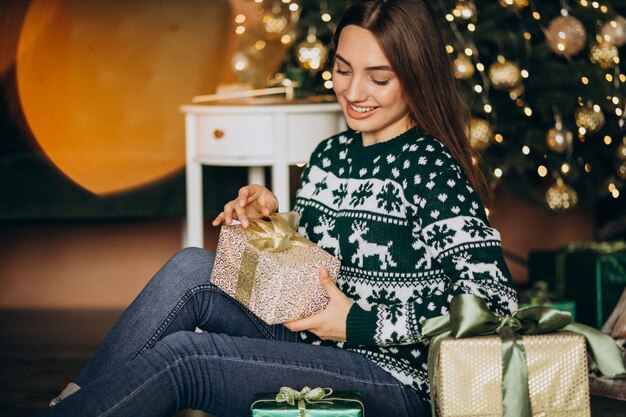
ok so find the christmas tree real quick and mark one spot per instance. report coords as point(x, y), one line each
point(547, 95)
point(544, 80)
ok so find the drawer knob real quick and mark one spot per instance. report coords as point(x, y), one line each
point(218, 133)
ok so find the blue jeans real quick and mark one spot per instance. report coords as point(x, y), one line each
point(152, 363)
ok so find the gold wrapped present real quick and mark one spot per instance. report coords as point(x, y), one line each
point(272, 270)
point(468, 376)
point(530, 363)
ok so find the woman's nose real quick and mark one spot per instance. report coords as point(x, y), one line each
point(356, 90)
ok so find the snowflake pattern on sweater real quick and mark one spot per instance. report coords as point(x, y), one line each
point(410, 233)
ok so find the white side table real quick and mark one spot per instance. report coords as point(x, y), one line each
point(254, 136)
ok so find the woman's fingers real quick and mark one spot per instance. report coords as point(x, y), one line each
point(229, 212)
point(241, 213)
point(264, 207)
point(218, 219)
point(252, 201)
point(244, 194)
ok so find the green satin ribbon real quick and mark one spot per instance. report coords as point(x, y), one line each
point(278, 234)
point(306, 395)
point(470, 317)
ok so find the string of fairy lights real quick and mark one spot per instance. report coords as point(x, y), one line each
point(304, 28)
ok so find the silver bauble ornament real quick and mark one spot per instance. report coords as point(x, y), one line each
point(566, 35)
point(614, 31)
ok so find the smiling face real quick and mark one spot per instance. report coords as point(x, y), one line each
point(367, 87)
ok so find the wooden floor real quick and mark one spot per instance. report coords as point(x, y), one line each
point(41, 351)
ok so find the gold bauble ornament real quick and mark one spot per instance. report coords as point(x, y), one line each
point(275, 25)
point(561, 197)
point(480, 133)
point(466, 10)
point(614, 31)
point(620, 154)
point(566, 35)
point(312, 54)
point(504, 75)
point(590, 117)
point(559, 140)
point(621, 170)
point(604, 54)
point(463, 67)
point(514, 4)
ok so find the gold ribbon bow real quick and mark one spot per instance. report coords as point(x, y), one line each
point(469, 317)
point(278, 234)
point(306, 395)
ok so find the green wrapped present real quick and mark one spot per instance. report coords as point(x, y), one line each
point(593, 275)
point(316, 402)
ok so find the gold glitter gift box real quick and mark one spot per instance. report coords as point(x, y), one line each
point(468, 376)
point(272, 270)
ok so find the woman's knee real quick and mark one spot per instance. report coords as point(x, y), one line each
point(193, 257)
point(188, 268)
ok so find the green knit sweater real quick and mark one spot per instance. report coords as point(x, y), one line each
point(410, 233)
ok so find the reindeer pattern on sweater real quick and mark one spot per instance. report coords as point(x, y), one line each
point(410, 233)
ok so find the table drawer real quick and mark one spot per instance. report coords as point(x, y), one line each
point(235, 136)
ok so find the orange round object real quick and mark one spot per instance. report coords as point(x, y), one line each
point(100, 84)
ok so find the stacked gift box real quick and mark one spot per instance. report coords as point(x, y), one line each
point(530, 363)
point(593, 275)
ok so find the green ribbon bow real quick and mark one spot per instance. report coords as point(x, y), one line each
point(306, 395)
point(469, 317)
point(278, 234)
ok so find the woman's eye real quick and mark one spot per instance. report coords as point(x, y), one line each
point(379, 82)
point(341, 72)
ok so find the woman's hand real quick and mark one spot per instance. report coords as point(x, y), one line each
point(253, 202)
point(330, 323)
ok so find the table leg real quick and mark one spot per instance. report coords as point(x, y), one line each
point(193, 233)
point(194, 227)
point(280, 185)
point(256, 175)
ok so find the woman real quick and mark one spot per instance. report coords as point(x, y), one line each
point(396, 206)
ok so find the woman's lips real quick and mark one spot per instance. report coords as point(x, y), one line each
point(360, 112)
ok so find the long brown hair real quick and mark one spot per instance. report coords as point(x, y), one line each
point(414, 45)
